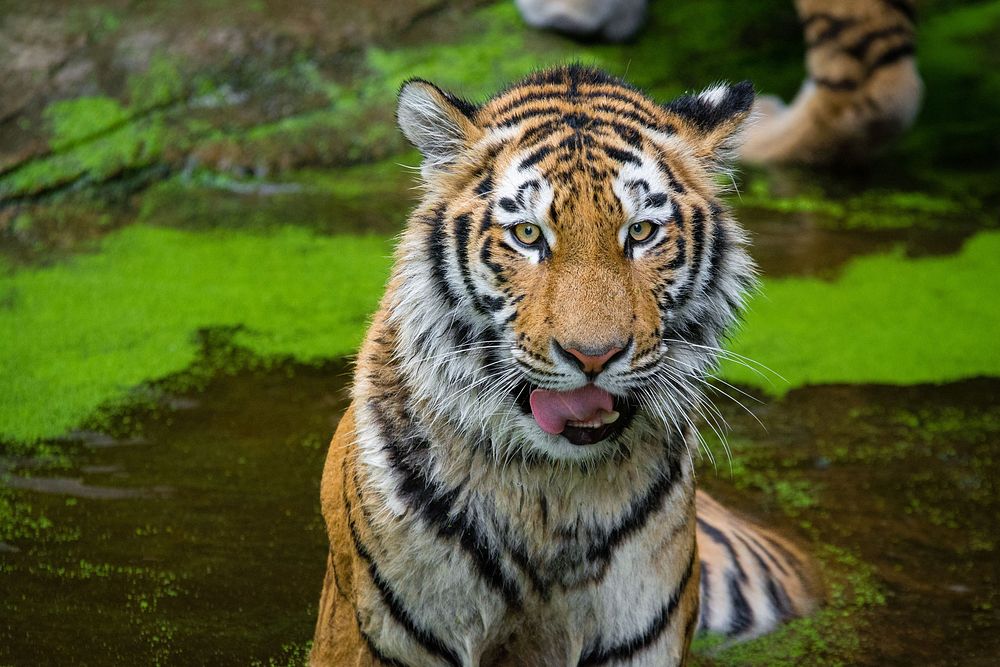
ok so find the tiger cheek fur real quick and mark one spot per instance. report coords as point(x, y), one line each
point(568, 212)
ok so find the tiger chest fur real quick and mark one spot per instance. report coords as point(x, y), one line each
point(513, 483)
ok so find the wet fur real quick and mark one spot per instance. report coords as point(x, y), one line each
point(462, 534)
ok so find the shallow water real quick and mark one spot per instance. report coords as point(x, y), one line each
point(197, 538)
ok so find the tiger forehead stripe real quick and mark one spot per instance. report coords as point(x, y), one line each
point(541, 96)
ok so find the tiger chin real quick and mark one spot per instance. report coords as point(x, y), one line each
point(513, 483)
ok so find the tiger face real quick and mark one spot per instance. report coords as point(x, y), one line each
point(574, 266)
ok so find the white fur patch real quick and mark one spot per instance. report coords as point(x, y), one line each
point(714, 95)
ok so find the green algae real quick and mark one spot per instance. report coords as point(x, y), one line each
point(105, 323)
point(82, 118)
point(885, 319)
point(490, 53)
point(96, 138)
point(291, 293)
point(89, 147)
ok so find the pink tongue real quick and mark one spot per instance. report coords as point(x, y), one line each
point(552, 409)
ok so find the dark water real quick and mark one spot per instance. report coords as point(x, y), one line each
point(904, 477)
point(197, 539)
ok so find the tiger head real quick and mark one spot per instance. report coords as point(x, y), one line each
point(571, 270)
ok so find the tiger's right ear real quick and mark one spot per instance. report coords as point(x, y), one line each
point(437, 123)
point(711, 118)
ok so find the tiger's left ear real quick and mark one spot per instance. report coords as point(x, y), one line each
point(437, 123)
point(710, 119)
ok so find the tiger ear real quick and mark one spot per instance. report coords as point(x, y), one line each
point(710, 119)
point(437, 123)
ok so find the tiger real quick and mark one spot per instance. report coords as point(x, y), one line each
point(863, 87)
point(513, 482)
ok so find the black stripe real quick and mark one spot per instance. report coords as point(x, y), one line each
point(779, 599)
point(839, 85)
point(524, 115)
point(775, 590)
point(535, 157)
point(641, 118)
point(523, 100)
point(720, 538)
point(891, 56)
point(524, 187)
point(485, 186)
point(742, 616)
point(532, 570)
point(487, 222)
point(493, 304)
point(720, 247)
point(436, 505)
point(770, 556)
point(436, 254)
point(461, 226)
point(697, 250)
point(538, 133)
point(629, 135)
point(397, 610)
point(790, 558)
point(657, 199)
point(672, 181)
point(625, 157)
point(859, 49)
point(635, 104)
point(638, 514)
point(681, 255)
point(629, 648)
point(486, 257)
point(576, 141)
point(835, 26)
point(638, 184)
point(487, 561)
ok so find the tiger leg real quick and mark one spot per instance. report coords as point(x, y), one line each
point(862, 90)
point(752, 580)
point(339, 639)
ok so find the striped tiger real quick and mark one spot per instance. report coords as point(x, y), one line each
point(513, 483)
point(862, 90)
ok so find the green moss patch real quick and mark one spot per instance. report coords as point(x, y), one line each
point(105, 323)
point(886, 319)
point(82, 334)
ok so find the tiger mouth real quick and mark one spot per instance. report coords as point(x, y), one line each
point(585, 433)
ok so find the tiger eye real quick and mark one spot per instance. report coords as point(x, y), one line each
point(527, 233)
point(641, 231)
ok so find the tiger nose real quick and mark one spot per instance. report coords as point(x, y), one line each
point(591, 362)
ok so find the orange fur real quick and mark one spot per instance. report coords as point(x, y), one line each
point(460, 533)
